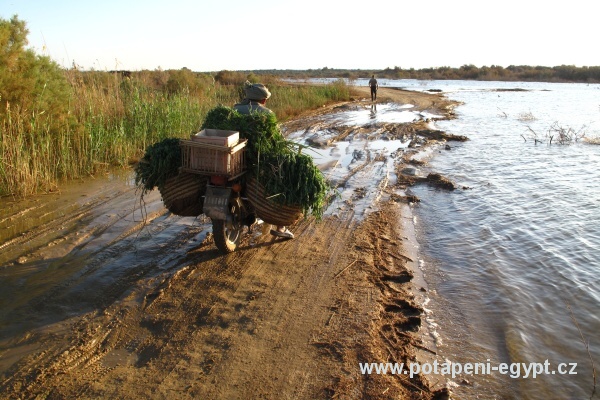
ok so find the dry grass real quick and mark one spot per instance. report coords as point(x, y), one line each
point(526, 116)
point(592, 140)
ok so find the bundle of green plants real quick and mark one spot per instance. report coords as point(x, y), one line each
point(160, 162)
point(289, 177)
point(261, 130)
point(163, 158)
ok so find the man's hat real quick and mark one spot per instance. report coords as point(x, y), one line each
point(256, 91)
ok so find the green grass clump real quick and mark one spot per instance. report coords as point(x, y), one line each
point(261, 130)
point(291, 178)
point(161, 162)
point(288, 100)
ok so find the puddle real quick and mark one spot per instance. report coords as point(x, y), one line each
point(356, 148)
point(386, 113)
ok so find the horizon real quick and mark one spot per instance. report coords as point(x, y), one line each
point(368, 72)
point(212, 36)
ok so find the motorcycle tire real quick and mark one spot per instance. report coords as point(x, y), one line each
point(225, 239)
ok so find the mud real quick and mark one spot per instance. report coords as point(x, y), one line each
point(106, 297)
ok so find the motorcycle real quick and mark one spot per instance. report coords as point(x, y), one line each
point(232, 200)
point(224, 201)
point(229, 212)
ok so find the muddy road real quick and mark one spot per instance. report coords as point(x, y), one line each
point(103, 296)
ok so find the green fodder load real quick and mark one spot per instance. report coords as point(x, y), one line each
point(160, 162)
point(261, 130)
point(182, 193)
point(288, 177)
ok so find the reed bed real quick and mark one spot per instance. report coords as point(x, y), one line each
point(289, 101)
point(112, 119)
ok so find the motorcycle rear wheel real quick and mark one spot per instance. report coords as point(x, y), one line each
point(226, 237)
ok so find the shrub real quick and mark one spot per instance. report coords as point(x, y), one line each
point(29, 82)
point(230, 77)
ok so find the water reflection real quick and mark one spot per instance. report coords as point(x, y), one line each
point(373, 111)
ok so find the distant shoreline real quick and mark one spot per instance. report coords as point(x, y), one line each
point(558, 74)
point(521, 73)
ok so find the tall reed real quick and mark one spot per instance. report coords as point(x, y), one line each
point(112, 120)
point(289, 100)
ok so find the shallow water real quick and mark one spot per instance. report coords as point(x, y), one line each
point(66, 253)
point(361, 165)
point(508, 257)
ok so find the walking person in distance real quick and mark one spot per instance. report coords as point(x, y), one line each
point(374, 86)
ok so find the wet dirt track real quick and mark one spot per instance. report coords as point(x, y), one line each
point(104, 297)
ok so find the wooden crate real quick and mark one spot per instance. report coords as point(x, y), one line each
point(211, 159)
point(217, 136)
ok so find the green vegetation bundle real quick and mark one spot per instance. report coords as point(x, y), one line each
point(261, 130)
point(161, 162)
point(289, 178)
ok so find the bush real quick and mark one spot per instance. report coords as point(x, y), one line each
point(63, 124)
point(29, 82)
point(186, 80)
point(230, 77)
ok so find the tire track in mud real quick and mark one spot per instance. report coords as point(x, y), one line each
point(276, 319)
point(102, 276)
point(366, 183)
point(211, 303)
point(215, 288)
point(93, 274)
point(61, 218)
point(88, 355)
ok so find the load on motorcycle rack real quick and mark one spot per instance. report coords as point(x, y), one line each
point(230, 199)
point(223, 173)
point(214, 152)
point(221, 155)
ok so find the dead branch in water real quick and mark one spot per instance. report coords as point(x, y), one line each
point(563, 135)
point(534, 136)
point(566, 135)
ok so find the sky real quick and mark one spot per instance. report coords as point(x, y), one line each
point(214, 35)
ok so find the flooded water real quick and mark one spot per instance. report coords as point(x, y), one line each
point(513, 261)
point(362, 164)
point(67, 253)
